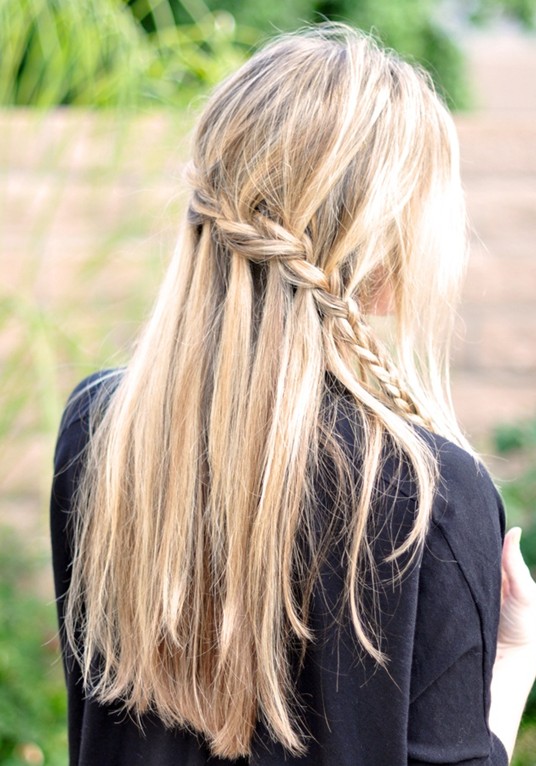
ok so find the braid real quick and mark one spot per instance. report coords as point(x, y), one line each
point(350, 326)
point(265, 240)
point(260, 241)
point(383, 368)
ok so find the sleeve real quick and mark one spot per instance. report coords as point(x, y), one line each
point(73, 437)
point(72, 440)
point(456, 622)
point(70, 443)
point(437, 625)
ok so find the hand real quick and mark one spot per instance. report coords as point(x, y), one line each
point(517, 624)
point(515, 663)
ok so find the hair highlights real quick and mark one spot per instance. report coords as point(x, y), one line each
point(323, 169)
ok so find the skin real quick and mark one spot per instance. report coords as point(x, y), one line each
point(514, 671)
point(382, 303)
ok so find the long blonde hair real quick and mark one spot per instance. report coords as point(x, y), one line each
point(324, 169)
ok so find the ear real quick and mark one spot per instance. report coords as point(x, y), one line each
point(379, 299)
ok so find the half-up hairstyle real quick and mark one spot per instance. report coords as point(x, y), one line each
point(323, 171)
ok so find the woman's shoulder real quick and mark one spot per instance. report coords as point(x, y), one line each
point(466, 493)
point(75, 424)
point(463, 480)
point(467, 511)
point(86, 393)
point(465, 489)
point(466, 534)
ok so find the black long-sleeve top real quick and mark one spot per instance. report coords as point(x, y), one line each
point(438, 625)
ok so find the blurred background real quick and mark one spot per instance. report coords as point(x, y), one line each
point(97, 98)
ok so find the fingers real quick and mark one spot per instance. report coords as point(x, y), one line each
point(518, 582)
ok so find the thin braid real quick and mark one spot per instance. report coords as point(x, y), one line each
point(265, 240)
point(351, 327)
point(384, 369)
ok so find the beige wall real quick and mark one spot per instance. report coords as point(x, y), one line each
point(495, 361)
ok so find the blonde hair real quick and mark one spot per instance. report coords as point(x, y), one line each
point(322, 170)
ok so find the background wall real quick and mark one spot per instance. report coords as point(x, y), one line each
point(495, 362)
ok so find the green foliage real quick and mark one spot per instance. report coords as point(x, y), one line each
point(518, 441)
point(510, 437)
point(190, 59)
point(60, 52)
point(32, 695)
point(95, 53)
point(526, 744)
point(265, 18)
point(522, 11)
point(520, 495)
point(140, 52)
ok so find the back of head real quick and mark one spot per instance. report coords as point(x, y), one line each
point(326, 151)
point(324, 171)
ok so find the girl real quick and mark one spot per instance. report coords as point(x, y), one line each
point(272, 544)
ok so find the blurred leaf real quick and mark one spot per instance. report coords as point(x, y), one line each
point(96, 53)
point(32, 696)
point(486, 11)
point(515, 436)
point(60, 52)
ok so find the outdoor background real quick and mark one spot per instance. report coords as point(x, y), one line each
point(97, 98)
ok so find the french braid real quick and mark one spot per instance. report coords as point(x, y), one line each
point(265, 240)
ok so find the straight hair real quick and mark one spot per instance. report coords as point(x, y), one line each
point(323, 170)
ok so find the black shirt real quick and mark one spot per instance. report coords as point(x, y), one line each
point(439, 629)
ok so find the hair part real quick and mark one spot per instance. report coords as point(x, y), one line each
point(322, 169)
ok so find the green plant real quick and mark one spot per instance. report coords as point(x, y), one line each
point(96, 53)
point(518, 441)
point(32, 695)
point(58, 52)
point(522, 11)
point(140, 52)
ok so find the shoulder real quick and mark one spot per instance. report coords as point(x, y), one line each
point(74, 429)
point(465, 497)
point(458, 608)
point(468, 515)
point(86, 393)
point(468, 506)
point(72, 441)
